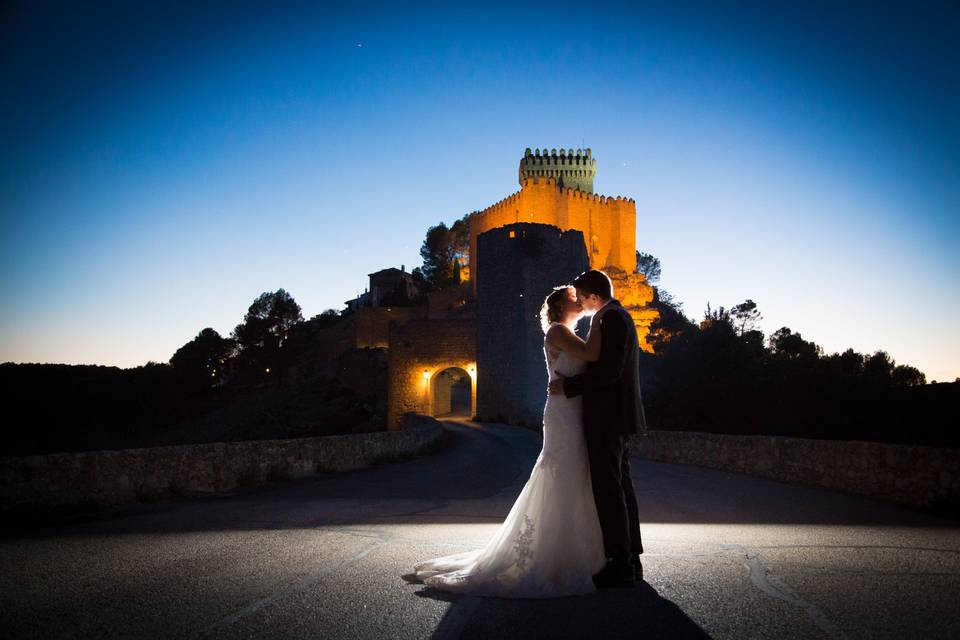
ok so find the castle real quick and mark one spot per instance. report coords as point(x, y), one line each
point(477, 348)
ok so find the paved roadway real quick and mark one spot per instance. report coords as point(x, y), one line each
point(727, 557)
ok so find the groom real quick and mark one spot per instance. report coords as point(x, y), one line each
point(612, 411)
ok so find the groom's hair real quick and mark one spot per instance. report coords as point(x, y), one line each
point(596, 282)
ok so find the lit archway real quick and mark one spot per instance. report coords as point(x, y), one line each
point(418, 351)
point(451, 393)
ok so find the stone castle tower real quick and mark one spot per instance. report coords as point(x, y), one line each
point(523, 262)
point(557, 189)
point(569, 170)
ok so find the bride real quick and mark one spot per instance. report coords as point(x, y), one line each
point(550, 543)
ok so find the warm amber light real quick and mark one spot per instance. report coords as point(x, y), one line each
point(426, 374)
point(267, 369)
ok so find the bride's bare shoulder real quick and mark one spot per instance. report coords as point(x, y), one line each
point(550, 338)
point(560, 337)
point(555, 330)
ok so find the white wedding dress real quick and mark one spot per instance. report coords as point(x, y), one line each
point(550, 545)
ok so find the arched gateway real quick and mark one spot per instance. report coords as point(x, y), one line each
point(451, 393)
point(432, 364)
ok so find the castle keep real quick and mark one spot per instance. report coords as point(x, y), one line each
point(569, 170)
point(477, 348)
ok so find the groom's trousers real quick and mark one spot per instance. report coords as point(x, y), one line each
point(613, 493)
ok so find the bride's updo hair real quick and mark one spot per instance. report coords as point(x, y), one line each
point(552, 309)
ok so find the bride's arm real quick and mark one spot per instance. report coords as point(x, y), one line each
point(562, 338)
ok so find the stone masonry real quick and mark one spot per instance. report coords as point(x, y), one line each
point(96, 478)
point(925, 477)
point(520, 265)
point(418, 352)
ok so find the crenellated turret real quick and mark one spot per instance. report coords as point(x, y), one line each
point(569, 169)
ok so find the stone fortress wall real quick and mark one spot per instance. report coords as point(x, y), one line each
point(520, 265)
point(371, 325)
point(608, 224)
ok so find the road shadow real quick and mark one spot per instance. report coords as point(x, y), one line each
point(610, 613)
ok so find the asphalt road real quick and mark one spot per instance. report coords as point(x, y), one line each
point(728, 556)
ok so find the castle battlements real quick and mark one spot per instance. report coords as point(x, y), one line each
point(569, 169)
point(565, 156)
point(548, 182)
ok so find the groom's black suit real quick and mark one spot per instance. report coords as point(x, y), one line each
point(612, 410)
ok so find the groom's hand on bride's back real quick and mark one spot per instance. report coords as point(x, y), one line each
point(556, 385)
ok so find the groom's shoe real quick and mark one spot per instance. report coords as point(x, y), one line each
point(637, 568)
point(614, 574)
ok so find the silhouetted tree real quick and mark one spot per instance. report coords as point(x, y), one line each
point(670, 321)
point(849, 363)
point(878, 369)
point(786, 343)
point(903, 375)
point(745, 316)
point(704, 377)
point(664, 297)
point(713, 377)
point(460, 239)
point(443, 251)
point(268, 320)
point(437, 256)
point(306, 337)
point(199, 363)
point(420, 280)
point(719, 315)
point(260, 337)
point(649, 266)
point(325, 318)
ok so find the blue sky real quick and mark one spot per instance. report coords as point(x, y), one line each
point(163, 166)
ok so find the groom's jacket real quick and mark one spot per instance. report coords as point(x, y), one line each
point(611, 386)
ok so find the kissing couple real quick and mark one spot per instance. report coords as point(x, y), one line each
point(575, 527)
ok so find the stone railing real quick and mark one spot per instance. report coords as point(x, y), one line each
point(96, 478)
point(924, 477)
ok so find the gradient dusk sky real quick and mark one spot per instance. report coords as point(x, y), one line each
point(166, 163)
